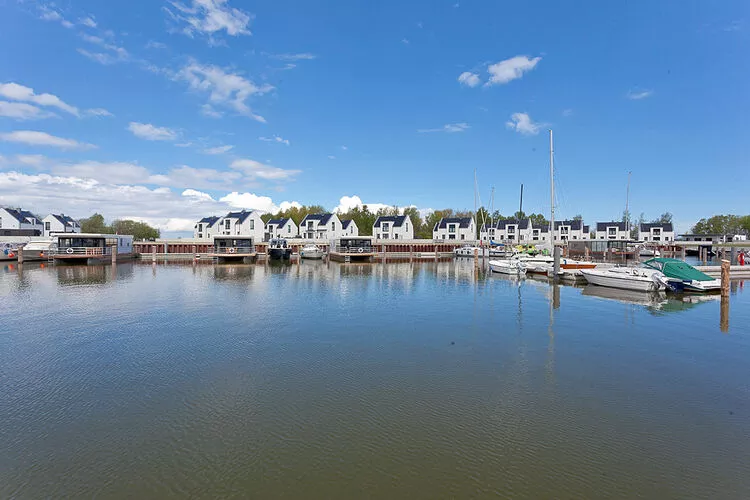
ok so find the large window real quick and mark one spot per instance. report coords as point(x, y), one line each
point(46, 226)
point(451, 228)
point(252, 224)
point(227, 224)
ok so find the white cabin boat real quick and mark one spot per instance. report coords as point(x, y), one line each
point(508, 266)
point(311, 252)
point(627, 278)
point(41, 249)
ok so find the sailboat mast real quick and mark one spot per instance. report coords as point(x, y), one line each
point(552, 188)
point(627, 206)
point(520, 204)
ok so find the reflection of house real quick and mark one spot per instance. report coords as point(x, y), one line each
point(62, 223)
point(281, 228)
point(656, 232)
point(320, 227)
point(349, 228)
point(393, 227)
point(16, 222)
point(206, 227)
point(454, 228)
point(612, 231)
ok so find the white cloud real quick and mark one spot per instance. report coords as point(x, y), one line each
point(88, 21)
point(275, 138)
point(152, 133)
point(346, 203)
point(48, 13)
point(224, 89)
point(523, 124)
point(331, 157)
point(35, 161)
point(449, 128)
point(17, 92)
point(286, 205)
point(510, 69)
point(208, 17)
point(184, 144)
point(200, 195)
point(218, 150)
point(637, 95)
point(98, 112)
point(305, 56)
point(252, 201)
point(34, 138)
point(23, 111)
point(255, 169)
point(405, 41)
point(469, 79)
point(208, 110)
point(344, 148)
point(155, 45)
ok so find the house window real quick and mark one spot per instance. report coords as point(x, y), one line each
point(462, 236)
point(407, 226)
point(385, 227)
point(657, 238)
point(46, 226)
point(227, 224)
point(656, 230)
point(395, 236)
point(289, 229)
point(575, 237)
point(451, 228)
point(1, 222)
point(252, 224)
point(511, 229)
point(443, 236)
point(564, 229)
point(611, 231)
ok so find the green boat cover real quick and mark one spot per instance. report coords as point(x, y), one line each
point(674, 268)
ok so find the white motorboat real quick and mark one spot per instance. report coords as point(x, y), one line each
point(311, 252)
point(39, 249)
point(627, 278)
point(468, 251)
point(684, 275)
point(648, 252)
point(508, 266)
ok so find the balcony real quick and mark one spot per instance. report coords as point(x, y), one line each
point(84, 251)
point(234, 250)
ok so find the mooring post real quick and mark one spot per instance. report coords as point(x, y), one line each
point(556, 266)
point(20, 253)
point(725, 277)
point(114, 254)
point(586, 253)
point(476, 258)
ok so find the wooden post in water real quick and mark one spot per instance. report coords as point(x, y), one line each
point(411, 253)
point(732, 256)
point(114, 254)
point(20, 253)
point(153, 254)
point(586, 253)
point(476, 258)
point(724, 314)
point(725, 277)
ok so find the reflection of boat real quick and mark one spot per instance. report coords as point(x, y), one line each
point(311, 252)
point(508, 266)
point(692, 279)
point(627, 296)
point(278, 249)
point(626, 278)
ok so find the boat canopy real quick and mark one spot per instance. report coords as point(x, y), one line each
point(675, 268)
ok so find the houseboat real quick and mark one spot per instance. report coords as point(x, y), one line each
point(233, 249)
point(353, 248)
point(91, 248)
point(278, 249)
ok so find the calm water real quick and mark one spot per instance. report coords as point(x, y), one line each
point(364, 381)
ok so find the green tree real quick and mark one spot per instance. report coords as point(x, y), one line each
point(95, 224)
point(665, 218)
point(578, 217)
point(519, 215)
point(416, 220)
point(483, 217)
point(431, 219)
point(722, 224)
point(139, 230)
point(538, 220)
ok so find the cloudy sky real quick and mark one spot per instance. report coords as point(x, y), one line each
point(167, 111)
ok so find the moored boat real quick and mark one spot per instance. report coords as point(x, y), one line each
point(8, 251)
point(41, 249)
point(508, 266)
point(626, 278)
point(311, 252)
point(677, 270)
point(470, 250)
point(278, 249)
point(92, 248)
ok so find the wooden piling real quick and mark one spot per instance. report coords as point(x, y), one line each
point(20, 254)
point(725, 277)
point(724, 314)
point(114, 254)
point(476, 258)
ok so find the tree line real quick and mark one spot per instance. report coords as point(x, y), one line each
point(140, 230)
point(723, 224)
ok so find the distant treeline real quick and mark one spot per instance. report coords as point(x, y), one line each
point(139, 230)
point(723, 224)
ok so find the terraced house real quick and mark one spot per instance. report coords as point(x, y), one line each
point(393, 227)
point(281, 228)
point(656, 232)
point(61, 223)
point(455, 228)
point(19, 222)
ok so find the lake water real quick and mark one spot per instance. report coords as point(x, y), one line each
point(364, 381)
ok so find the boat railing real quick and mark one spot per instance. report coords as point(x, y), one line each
point(235, 250)
point(354, 250)
point(89, 251)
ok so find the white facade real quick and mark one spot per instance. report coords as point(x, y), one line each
point(570, 230)
point(54, 223)
point(349, 228)
point(320, 227)
point(394, 227)
point(206, 228)
point(243, 223)
point(655, 232)
point(612, 231)
point(455, 228)
point(11, 218)
point(281, 228)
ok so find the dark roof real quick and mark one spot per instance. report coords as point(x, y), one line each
point(602, 226)
point(503, 223)
point(647, 226)
point(321, 218)
point(345, 223)
point(575, 225)
point(244, 214)
point(463, 222)
point(397, 220)
point(65, 220)
point(21, 215)
point(279, 222)
point(586, 229)
point(209, 220)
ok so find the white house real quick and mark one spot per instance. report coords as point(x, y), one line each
point(349, 228)
point(321, 227)
point(243, 223)
point(206, 227)
point(10, 218)
point(393, 227)
point(281, 228)
point(455, 228)
point(612, 231)
point(655, 232)
point(62, 223)
point(513, 230)
point(566, 230)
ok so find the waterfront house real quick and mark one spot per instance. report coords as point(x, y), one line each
point(655, 232)
point(17, 222)
point(206, 227)
point(567, 230)
point(320, 227)
point(349, 228)
point(513, 230)
point(61, 223)
point(455, 228)
point(612, 230)
point(242, 223)
point(281, 228)
point(393, 227)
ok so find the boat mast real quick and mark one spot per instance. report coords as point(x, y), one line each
point(627, 204)
point(520, 205)
point(552, 188)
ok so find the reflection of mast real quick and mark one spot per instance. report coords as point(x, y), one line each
point(554, 303)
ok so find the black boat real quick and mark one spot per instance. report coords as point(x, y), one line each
point(279, 250)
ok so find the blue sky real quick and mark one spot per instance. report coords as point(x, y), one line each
point(168, 110)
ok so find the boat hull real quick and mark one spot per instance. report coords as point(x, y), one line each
point(312, 253)
point(279, 253)
point(513, 268)
point(621, 280)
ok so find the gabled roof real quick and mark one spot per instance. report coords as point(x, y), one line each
point(463, 222)
point(665, 227)
point(21, 215)
point(279, 223)
point(241, 216)
point(586, 229)
point(575, 225)
point(345, 223)
point(602, 226)
point(503, 223)
point(209, 220)
point(321, 218)
point(397, 220)
point(65, 220)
